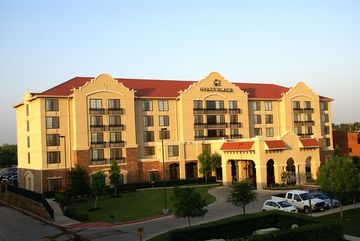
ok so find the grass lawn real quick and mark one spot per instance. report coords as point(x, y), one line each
point(351, 221)
point(133, 205)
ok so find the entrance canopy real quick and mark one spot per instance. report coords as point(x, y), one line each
point(237, 146)
point(276, 145)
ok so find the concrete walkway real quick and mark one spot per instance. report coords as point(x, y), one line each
point(59, 218)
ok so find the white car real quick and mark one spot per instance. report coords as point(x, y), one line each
point(280, 205)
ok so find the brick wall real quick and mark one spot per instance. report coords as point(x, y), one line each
point(132, 165)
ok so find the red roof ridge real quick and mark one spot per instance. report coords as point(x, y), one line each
point(275, 144)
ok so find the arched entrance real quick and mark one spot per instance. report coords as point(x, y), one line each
point(29, 181)
point(270, 172)
point(174, 171)
point(308, 169)
point(251, 172)
point(191, 170)
point(233, 170)
point(290, 169)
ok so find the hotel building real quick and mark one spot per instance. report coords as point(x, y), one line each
point(260, 130)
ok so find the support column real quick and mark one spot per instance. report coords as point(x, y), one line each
point(182, 169)
point(226, 171)
point(260, 177)
point(278, 169)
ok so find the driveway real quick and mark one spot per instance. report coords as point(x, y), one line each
point(217, 210)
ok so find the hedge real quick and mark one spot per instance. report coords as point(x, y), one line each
point(243, 228)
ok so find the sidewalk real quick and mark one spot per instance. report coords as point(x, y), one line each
point(59, 218)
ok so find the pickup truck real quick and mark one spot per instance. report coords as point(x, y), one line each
point(302, 200)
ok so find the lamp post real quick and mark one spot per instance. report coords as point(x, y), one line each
point(65, 179)
point(164, 172)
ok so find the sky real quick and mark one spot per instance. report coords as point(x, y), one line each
point(44, 43)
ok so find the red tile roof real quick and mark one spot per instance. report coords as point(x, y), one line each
point(237, 146)
point(168, 88)
point(276, 145)
point(309, 143)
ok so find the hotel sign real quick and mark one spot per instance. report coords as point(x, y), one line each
point(217, 83)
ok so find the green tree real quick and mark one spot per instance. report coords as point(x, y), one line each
point(97, 185)
point(79, 181)
point(242, 194)
point(215, 161)
point(188, 204)
point(8, 155)
point(205, 161)
point(337, 150)
point(339, 178)
point(114, 175)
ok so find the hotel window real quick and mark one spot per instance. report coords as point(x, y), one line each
point(325, 118)
point(173, 150)
point(307, 117)
point(115, 137)
point(234, 132)
point(114, 104)
point(27, 110)
point(199, 133)
point(327, 142)
point(148, 136)
point(164, 120)
point(216, 133)
point(27, 126)
point(298, 130)
point(326, 130)
point(197, 104)
point(198, 119)
point(269, 119)
point(51, 105)
point(234, 119)
point(97, 154)
point(258, 131)
point(153, 176)
point(269, 132)
point(95, 104)
point(97, 138)
point(28, 141)
point(52, 122)
point(164, 134)
point(149, 151)
point(147, 105)
point(206, 148)
point(324, 106)
point(28, 157)
point(148, 120)
point(53, 157)
point(215, 119)
point(115, 154)
point(52, 140)
point(114, 120)
point(308, 130)
point(233, 104)
point(297, 117)
point(163, 105)
point(215, 104)
point(96, 121)
point(257, 119)
point(255, 105)
point(54, 184)
point(268, 105)
point(296, 105)
point(307, 104)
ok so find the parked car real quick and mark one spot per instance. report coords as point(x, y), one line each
point(280, 205)
point(326, 199)
point(302, 200)
point(9, 175)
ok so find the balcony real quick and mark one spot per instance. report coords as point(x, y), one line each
point(309, 122)
point(117, 127)
point(298, 110)
point(97, 111)
point(216, 125)
point(98, 144)
point(120, 160)
point(199, 138)
point(235, 111)
point(199, 125)
point(298, 123)
point(305, 135)
point(308, 110)
point(235, 125)
point(116, 111)
point(99, 161)
point(97, 128)
point(116, 143)
point(198, 111)
point(237, 136)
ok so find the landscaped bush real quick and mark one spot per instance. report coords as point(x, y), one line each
point(62, 198)
point(309, 229)
point(76, 215)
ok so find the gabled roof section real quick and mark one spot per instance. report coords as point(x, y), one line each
point(276, 145)
point(237, 146)
point(263, 91)
point(309, 143)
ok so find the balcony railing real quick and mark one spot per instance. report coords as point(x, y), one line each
point(117, 127)
point(308, 110)
point(199, 125)
point(97, 128)
point(235, 111)
point(298, 110)
point(99, 161)
point(199, 138)
point(237, 136)
point(98, 144)
point(116, 144)
point(309, 122)
point(235, 125)
point(97, 111)
point(216, 125)
point(298, 123)
point(198, 111)
point(116, 111)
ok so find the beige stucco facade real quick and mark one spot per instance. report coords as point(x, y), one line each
point(126, 125)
